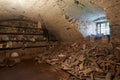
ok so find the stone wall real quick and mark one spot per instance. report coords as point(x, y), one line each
point(48, 10)
point(53, 14)
point(112, 9)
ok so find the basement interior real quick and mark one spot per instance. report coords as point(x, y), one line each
point(59, 40)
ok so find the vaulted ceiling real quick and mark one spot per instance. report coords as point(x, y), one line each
point(58, 15)
point(84, 9)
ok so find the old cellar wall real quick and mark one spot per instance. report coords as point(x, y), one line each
point(61, 17)
point(49, 11)
point(66, 20)
point(112, 10)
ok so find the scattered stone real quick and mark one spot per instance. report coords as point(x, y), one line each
point(14, 54)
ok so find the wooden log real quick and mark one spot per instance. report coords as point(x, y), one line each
point(87, 71)
point(94, 68)
point(1, 45)
point(112, 62)
point(92, 76)
point(108, 76)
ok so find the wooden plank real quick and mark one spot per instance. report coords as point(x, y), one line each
point(7, 26)
point(3, 33)
point(20, 20)
point(22, 47)
point(3, 41)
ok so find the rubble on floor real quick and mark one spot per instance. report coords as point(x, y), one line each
point(85, 61)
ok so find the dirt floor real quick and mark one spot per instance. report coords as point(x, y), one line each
point(29, 70)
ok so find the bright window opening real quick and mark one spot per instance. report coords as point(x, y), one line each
point(103, 28)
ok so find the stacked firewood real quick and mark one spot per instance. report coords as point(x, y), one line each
point(23, 30)
point(86, 61)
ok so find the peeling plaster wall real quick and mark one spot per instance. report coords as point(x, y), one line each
point(82, 14)
point(58, 25)
point(84, 10)
point(88, 28)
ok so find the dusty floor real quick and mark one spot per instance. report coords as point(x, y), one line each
point(29, 70)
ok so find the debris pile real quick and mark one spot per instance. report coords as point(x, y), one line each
point(88, 61)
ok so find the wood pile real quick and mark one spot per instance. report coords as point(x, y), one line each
point(17, 33)
point(88, 61)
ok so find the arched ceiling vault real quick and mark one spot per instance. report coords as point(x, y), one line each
point(60, 16)
point(85, 9)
